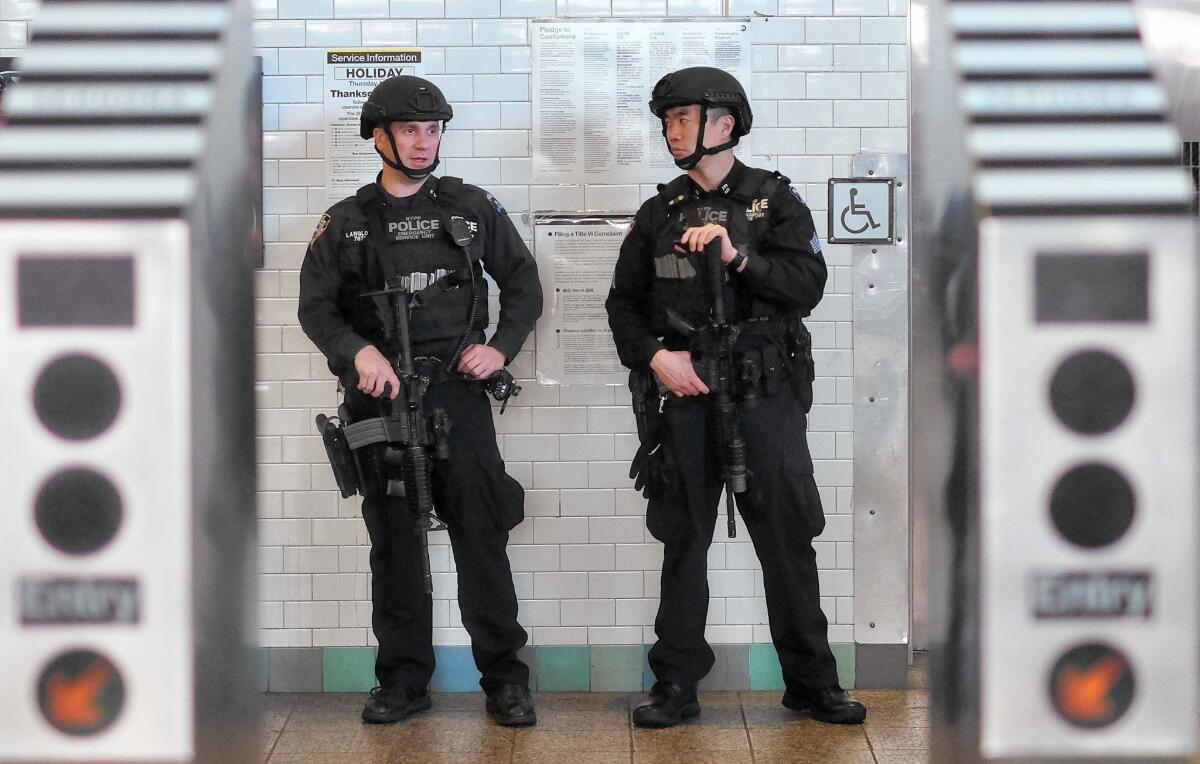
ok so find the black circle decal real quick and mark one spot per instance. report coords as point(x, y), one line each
point(77, 397)
point(1092, 505)
point(78, 511)
point(1092, 392)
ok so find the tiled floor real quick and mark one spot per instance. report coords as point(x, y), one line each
point(594, 728)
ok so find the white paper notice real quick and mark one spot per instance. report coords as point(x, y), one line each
point(350, 76)
point(575, 259)
point(591, 85)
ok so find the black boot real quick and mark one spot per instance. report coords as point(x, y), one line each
point(667, 706)
point(512, 706)
point(392, 703)
point(828, 704)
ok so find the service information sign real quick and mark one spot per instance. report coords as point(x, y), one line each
point(575, 259)
point(591, 85)
point(350, 76)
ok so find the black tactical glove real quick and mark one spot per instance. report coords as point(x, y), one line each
point(650, 470)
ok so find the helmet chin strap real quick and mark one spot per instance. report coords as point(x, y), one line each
point(690, 161)
point(396, 164)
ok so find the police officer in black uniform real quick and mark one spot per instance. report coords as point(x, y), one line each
point(434, 236)
point(773, 276)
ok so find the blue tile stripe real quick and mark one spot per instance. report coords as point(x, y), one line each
point(455, 671)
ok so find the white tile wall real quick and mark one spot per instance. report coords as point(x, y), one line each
point(830, 81)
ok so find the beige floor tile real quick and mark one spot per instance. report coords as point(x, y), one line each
point(436, 719)
point(328, 758)
point(267, 740)
point(450, 757)
point(761, 699)
point(328, 700)
point(490, 740)
point(323, 717)
point(459, 701)
point(277, 701)
point(902, 757)
point(537, 740)
point(688, 738)
point(898, 716)
point(585, 701)
point(727, 718)
point(341, 738)
point(774, 716)
point(814, 757)
point(693, 757)
point(809, 736)
point(577, 757)
point(718, 700)
point(274, 718)
point(395, 757)
point(575, 719)
point(898, 738)
point(916, 698)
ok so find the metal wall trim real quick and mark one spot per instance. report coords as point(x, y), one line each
point(882, 571)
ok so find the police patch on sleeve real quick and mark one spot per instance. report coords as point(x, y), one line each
point(322, 225)
point(815, 243)
point(495, 203)
point(796, 194)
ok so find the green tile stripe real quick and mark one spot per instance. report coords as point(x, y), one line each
point(766, 674)
point(349, 669)
point(564, 668)
point(561, 668)
point(765, 671)
point(843, 653)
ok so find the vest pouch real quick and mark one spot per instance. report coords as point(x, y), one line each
point(804, 371)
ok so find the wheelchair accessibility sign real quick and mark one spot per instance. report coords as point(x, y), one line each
point(861, 210)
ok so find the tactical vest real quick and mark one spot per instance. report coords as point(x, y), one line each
point(680, 280)
point(433, 249)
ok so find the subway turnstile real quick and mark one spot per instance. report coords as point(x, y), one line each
point(126, 343)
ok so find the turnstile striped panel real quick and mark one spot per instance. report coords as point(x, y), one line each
point(108, 119)
point(1063, 113)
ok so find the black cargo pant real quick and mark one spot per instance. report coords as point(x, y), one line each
point(479, 503)
point(782, 517)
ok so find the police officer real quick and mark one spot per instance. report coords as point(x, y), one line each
point(434, 236)
point(773, 275)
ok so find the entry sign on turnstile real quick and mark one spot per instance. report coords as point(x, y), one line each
point(861, 211)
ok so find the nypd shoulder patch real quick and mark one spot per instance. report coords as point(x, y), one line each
point(815, 243)
point(796, 194)
point(322, 225)
point(496, 203)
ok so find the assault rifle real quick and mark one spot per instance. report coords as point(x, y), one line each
point(410, 433)
point(712, 355)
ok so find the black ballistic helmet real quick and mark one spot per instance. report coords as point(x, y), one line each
point(403, 98)
point(710, 88)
